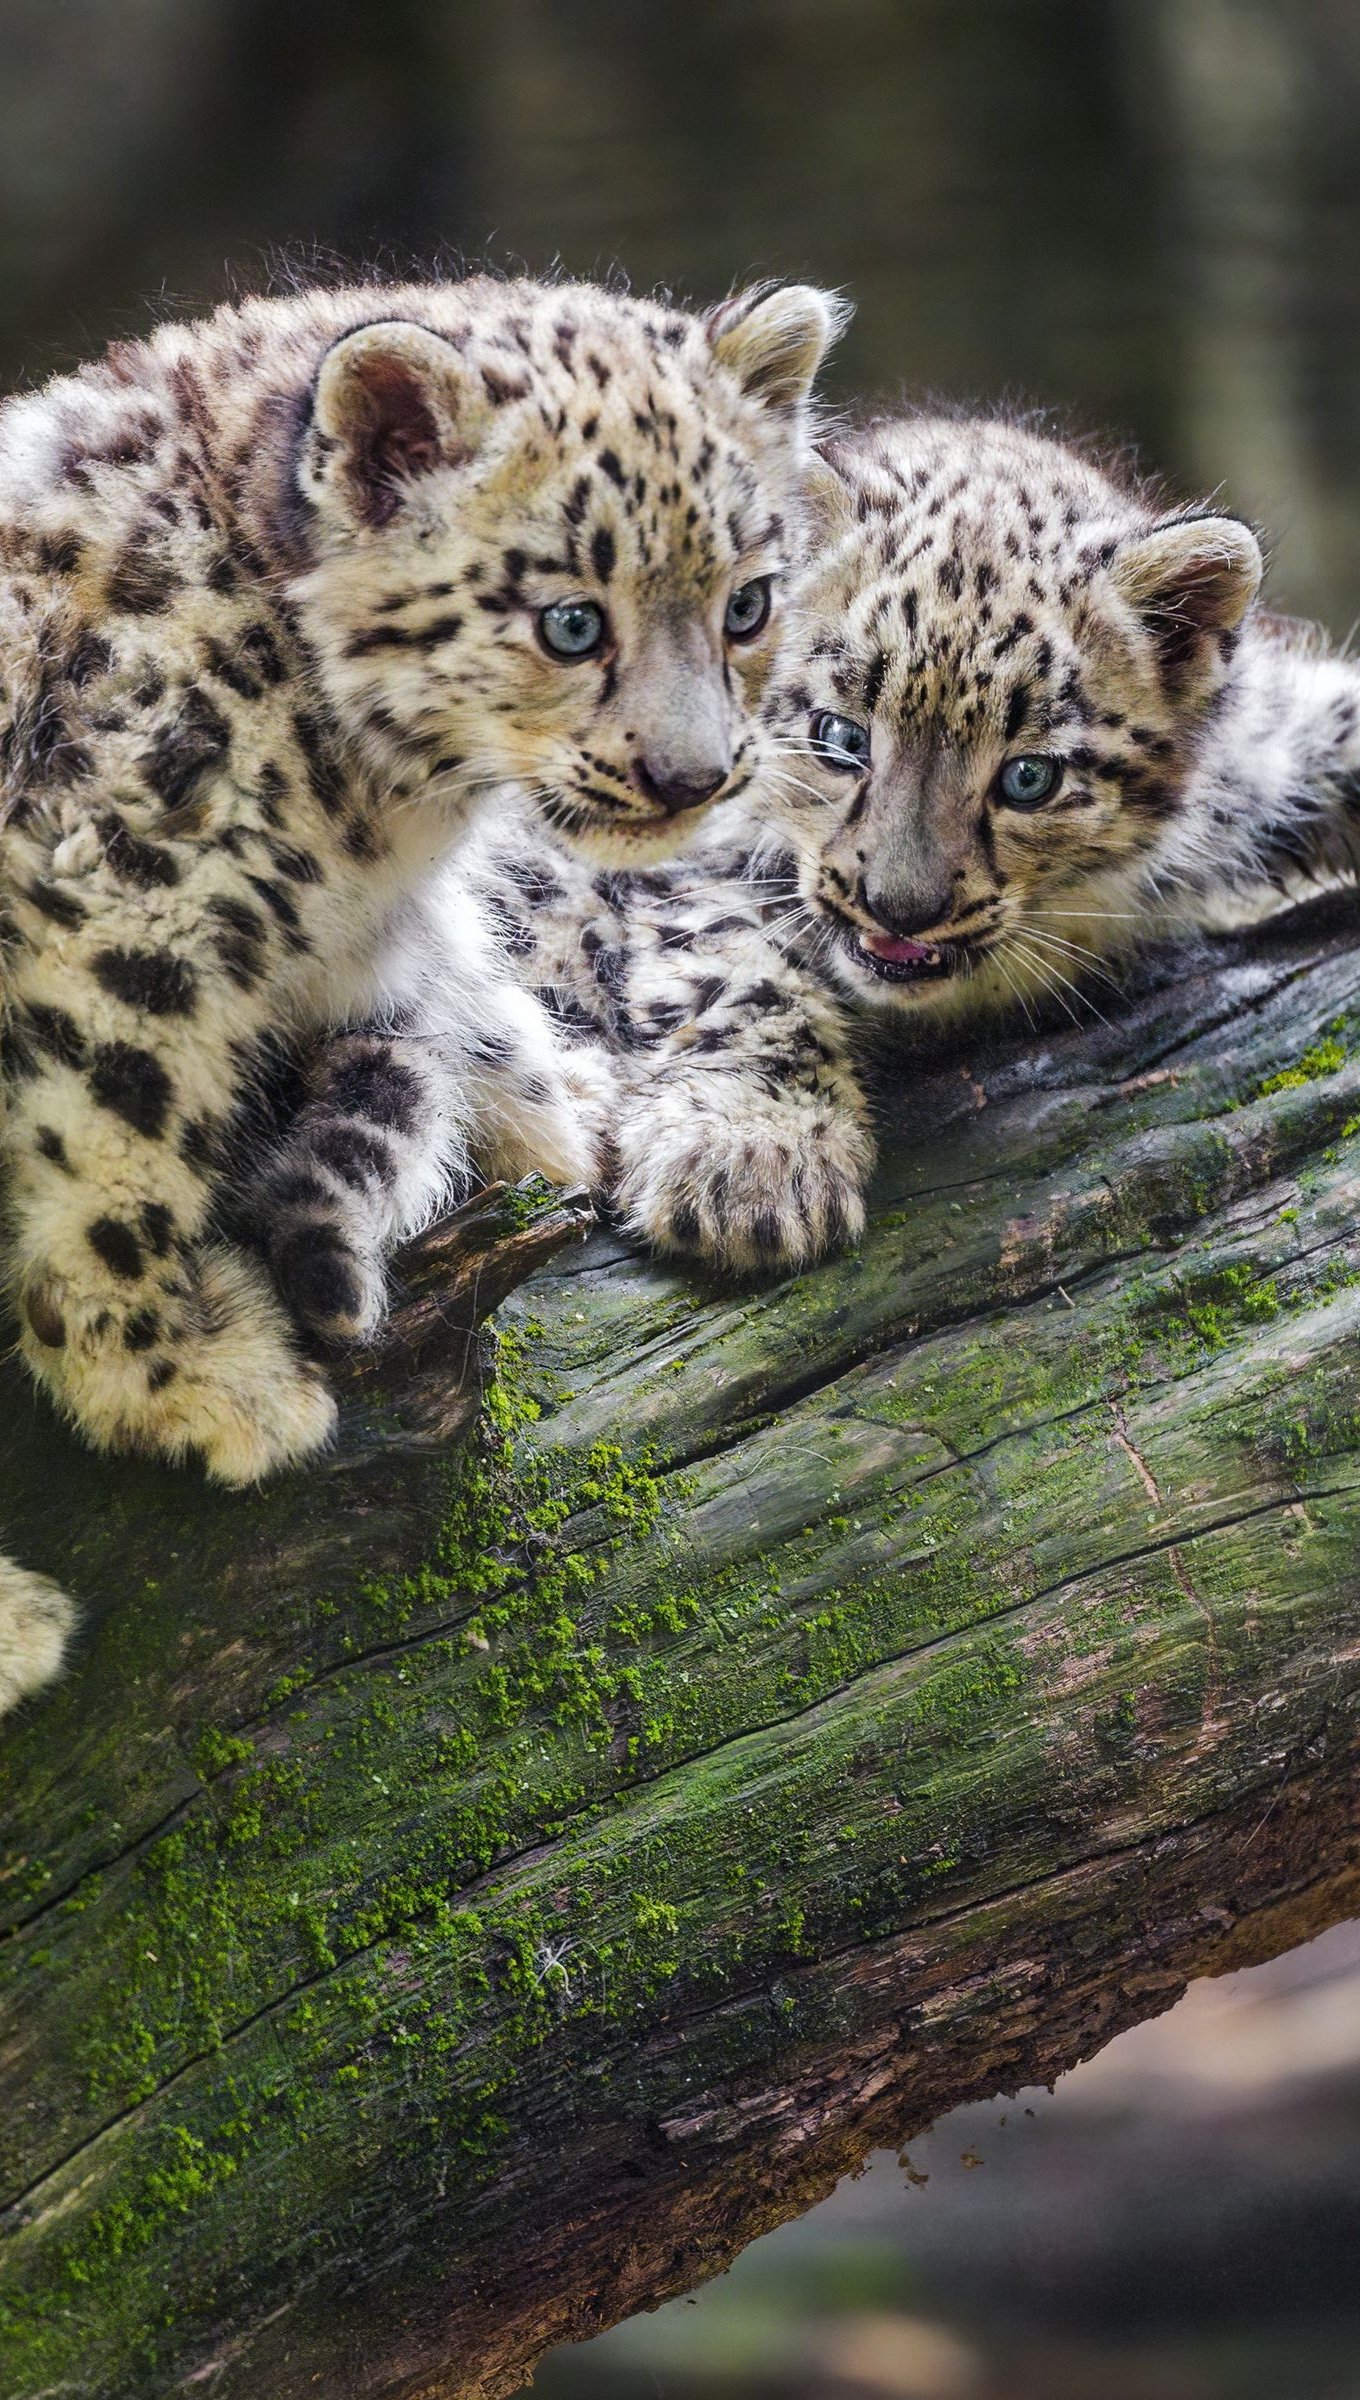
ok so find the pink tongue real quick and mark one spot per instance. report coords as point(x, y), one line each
point(900, 952)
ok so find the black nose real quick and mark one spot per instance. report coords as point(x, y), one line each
point(675, 793)
point(907, 913)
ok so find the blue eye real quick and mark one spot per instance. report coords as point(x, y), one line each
point(1026, 782)
point(748, 610)
point(572, 628)
point(840, 741)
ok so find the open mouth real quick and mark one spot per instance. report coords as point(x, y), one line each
point(896, 958)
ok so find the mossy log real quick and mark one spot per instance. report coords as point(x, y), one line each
point(462, 1893)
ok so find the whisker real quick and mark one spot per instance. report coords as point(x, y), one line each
point(1085, 961)
point(1046, 970)
point(795, 782)
point(800, 910)
point(1042, 982)
point(999, 962)
point(1130, 916)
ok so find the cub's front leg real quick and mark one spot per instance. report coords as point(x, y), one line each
point(127, 1048)
point(398, 1128)
point(463, 1074)
point(742, 1136)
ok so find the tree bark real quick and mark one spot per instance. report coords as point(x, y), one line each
point(463, 1893)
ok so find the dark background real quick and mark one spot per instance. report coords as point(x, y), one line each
point(1144, 212)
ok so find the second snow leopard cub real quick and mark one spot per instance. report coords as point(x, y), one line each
point(285, 596)
point(1023, 716)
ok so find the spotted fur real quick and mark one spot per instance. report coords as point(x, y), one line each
point(271, 597)
point(980, 593)
point(461, 1076)
point(985, 595)
point(706, 1069)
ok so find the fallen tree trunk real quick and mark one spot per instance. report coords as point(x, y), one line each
point(463, 1893)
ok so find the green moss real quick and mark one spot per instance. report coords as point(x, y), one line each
point(1309, 1427)
point(952, 1705)
point(1241, 1297)
point(567, 1636)
point(214, 1897)
point(1324, 1058)
point(214, 1751)
point(525, 1202)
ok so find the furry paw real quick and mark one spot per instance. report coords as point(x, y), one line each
point(223, 1380)
point(557, 1124)
point(36, 1619)
point(328, 1286)
point(772, 1185)
point(241, 1396)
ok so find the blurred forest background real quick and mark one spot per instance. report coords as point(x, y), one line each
point(1144, 212)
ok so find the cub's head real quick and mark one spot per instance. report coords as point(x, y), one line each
point(998, 670)
point(548, 530)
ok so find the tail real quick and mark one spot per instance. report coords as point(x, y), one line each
point(36, 1620)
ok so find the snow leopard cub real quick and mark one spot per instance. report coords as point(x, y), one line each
point(1023, 716)
point(286, 596)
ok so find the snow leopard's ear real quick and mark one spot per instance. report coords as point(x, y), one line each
point(774, 341)
point(392, 402)
point(829, 497)
point(1189, 582)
